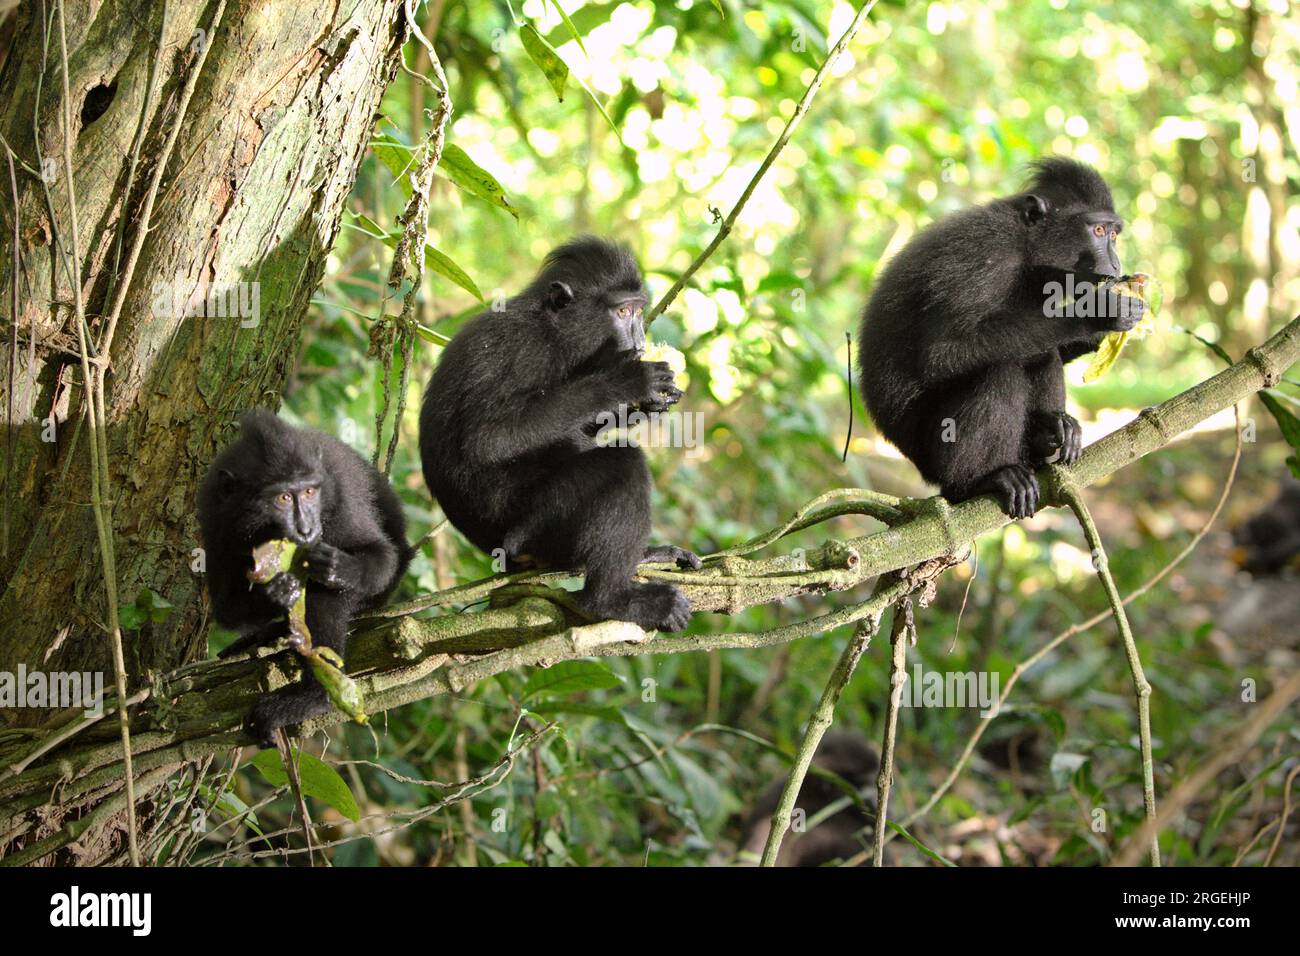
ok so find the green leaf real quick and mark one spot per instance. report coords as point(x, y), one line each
point(434, 261)
point(547, 60)
point(608, 714)
point(557, 71)
point(318, 778)
point(454, 165)
point(569, 677)
point(396, 156)
point(148, 606)
point(919, 845)
point(231, 807)
point(1287, 423)
point(457, 167)
point(131, 618)
point(701, 787)
point(1214, 347)
point(438, 262)
point(569, 23)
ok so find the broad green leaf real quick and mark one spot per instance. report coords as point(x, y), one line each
point(1288, 424)
point(557, 71)
point(396, 156)
point(703, 790)
point(434, 261)
point(148, 606)
point(318, 778)
point(568, 677)
point(608, 714)
point(454, 165)
point(131, 618)
point(585, 19)
point(547, 60)
point(457, 167)
point(438, 262)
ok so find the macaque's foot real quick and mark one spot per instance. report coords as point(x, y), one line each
point(657, 607)
point(1016, 487)
point(660, 607)
point(286, 707)
point(670, 554)
point(1054, 437)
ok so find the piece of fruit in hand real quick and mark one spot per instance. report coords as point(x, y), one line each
point(1139, 285)
point(658, 352)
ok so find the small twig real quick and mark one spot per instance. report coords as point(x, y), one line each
point(876, 504)
point(902, 632)
point(55, 739)
point(1029, 662)
point(151, 194)
point(1224, 756)
point(1286, 812)
point(1069, 490)
point(98, 452)
point(14, 272)
point(804, 103)
point(408, 255)
point(295, 784)
point(819, 723)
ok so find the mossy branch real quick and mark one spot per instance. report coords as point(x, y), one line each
point(1067, 489)
point(197, 710)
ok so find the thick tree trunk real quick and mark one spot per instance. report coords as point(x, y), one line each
point(252, 194)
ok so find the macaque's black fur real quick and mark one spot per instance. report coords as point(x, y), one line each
point(1270, 539)
point(278, 481)
point(960, 365)
point(509, 423)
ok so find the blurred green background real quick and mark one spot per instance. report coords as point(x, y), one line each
point(1190, 109)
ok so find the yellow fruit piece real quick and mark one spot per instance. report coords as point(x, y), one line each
point(659, 352)
point(1139, 286)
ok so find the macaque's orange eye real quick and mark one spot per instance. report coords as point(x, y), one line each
point(284, 500)
point(625, 312)
point(1099, 231)
point(309, 493)
point(1114, 236)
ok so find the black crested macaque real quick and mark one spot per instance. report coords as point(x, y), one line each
point(277, 481)
point(961, 350)
point(508, 432)
point(1269, 540)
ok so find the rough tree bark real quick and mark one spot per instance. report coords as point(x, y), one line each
point(253, 192)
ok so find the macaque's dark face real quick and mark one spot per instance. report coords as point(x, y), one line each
point(1078, 240)
point(626, 318)
point(286, 509)
point(296, 507)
